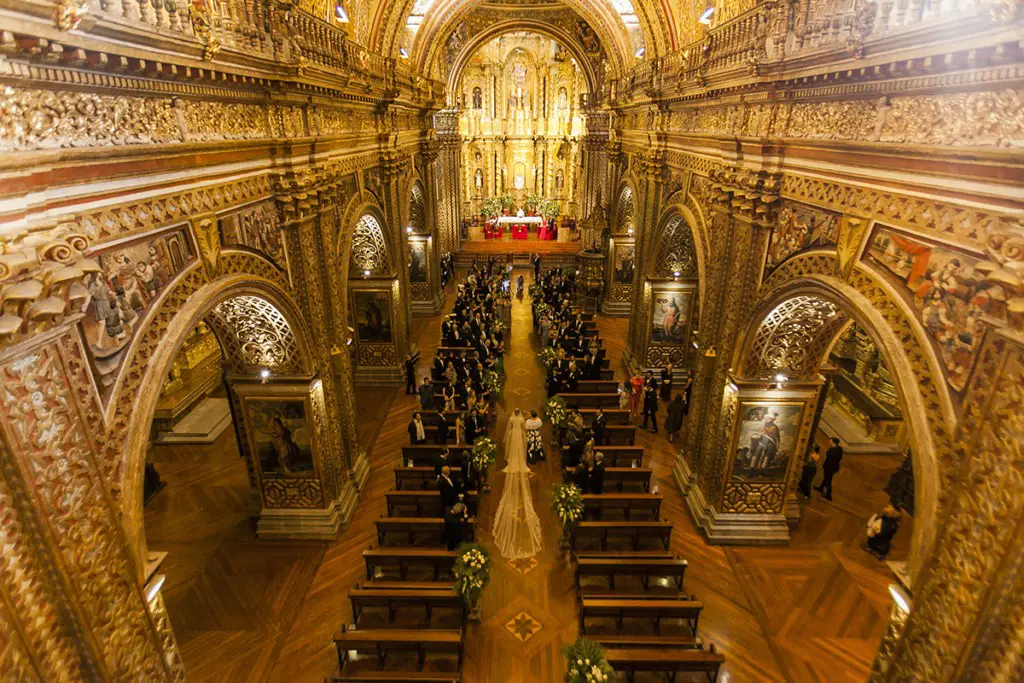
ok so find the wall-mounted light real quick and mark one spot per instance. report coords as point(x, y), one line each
point(366, 273)
point(409, 230)
point(732, 387)
point(154, 587)
point(630, 231)
point(706, 17)
point(403, 53)
point(900, 597)
point(351, 335)
point(339, 12)
point(676, 273)
point(780, 380)
point(264, 375)
point(639, 53)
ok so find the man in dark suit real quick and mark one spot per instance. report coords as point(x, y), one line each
point(442, 461)
point(597, 474)
point(442, 429)
point(426, 393)
point(600, 427)
point(410, 374)
point(472, 428)
point(833, 456)
point(417, 431)
point(651, 406)
point(437, 370)
point(448, 489)
point(581, 477)
point(454, 518)
point(575, 453)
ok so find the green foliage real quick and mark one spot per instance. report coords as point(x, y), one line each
point(472, 572)
point(585, 662)
point(484, 453)
point(547, 356)
point(492, 380)
point(556, 411)
point(567, 504)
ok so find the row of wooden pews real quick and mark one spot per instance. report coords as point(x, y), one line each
point(629, 584)
point(408, 622)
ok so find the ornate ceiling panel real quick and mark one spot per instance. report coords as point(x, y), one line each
point(369, 249)
point(677, 254)
point(794, 337)
point(255, 335)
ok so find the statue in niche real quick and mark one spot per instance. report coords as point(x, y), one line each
point(559, 181)
point(478, 179)
point(563, 99)
point(517, 98)
point(478, 98)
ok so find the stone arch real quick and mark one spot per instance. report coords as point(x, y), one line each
point(244, 279)
point(804, 307)
point(624, 210)
point(679, 223)
point(417, 208)
point(362, 205)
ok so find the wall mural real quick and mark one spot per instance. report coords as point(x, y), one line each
point(670, 316)
point(255, 227)
point(947, 291)
point(282, 435)
point(130, 279)
point(766, 436)
point(373, 315)
point(800, 227)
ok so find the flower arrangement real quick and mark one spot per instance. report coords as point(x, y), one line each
point(567, 504)
point(472, 572)
point(491, 207)
point(492, 381)
point(547, 356)
point(556, 411)
point(506, 201)
point(534, 290)
point(484, 453)
point(498, 325)
point(540, 310)
point(585, 662)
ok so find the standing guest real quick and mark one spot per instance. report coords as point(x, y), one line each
point(674, 417)
point(410, 374)
point(441, 461)
point(448, 393)
point(651, 407)
point(572, 377)
point(600, 427)
point(833, 456)
point(597, 474)
point(624, 395)
point(471, 428)
point(448, 489)
point(809, 470)
point(426, 394)
point(536, 267)
point(442, 429)
point(437, 369)
point(460, 429)
point(881, 529)
point(686, 393)
point(417, 434)
point(454, 518)
point(574, 455)
point(581, 477)
point(534, 441)
point(666, 383)
point(636, 396)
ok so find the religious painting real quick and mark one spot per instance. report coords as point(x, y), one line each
point(417, 261)
point(255, 227)
point(281, 434)
point(800, 227)
point(947, 290)
point(588, 38)
point(372, 312)
point(624, 264)
point(670, 316)
point(131, 278)
point(765, 440)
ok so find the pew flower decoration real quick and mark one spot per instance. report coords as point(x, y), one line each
point(547, 356)
point(485, 453)
point(567, 504)
point(492, 381)
point(586, 663)
point(533, 290)
point(472, 572)
point(556, 412)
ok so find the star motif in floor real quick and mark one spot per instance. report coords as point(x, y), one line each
point(523, 626)
point(522, 392)
point(523, 566)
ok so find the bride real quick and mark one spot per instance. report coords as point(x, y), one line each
point(516, 525)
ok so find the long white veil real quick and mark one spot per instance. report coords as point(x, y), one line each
point(516, 524)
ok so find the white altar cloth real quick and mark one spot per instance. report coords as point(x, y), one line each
point(520, 220)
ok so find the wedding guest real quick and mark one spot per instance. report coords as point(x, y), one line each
point(597, 474)
point(426, 394)
point(417, 433)
point(674, 417)
point(810, 468)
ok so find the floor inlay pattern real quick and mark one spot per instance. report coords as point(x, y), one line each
point(523, 626)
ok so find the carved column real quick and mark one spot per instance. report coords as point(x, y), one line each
point(310, 221)
point(595, 161)
point(965, 619)
point(392, 169)
point(741, 215)
point(428, 297)
point(446, 187)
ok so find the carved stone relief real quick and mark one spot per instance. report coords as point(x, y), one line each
point(255, 335)
point(369, 248)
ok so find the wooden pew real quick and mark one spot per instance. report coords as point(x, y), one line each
point(581, 400)
point(616, 416)
point(385, 584)
point(656, 610)
point(644, 569)
point(420, 478)
point(645, 641)
point(581, 361)
point(669, 660)
point(618, 456)
point(440, 561)
point(396, 677)
point(470, 352)
point(393, 599)
point(417, 527)
point(424, 503)
point(423, 455)
point(380, 641)
point(647, 505)
point(634, 532)
point(598, 386)
point(621, 435)
point(618, 477)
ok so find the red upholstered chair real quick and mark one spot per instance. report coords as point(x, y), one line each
point(500, 231)
point(488, 232)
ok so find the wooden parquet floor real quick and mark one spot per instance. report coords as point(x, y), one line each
point(251, 610)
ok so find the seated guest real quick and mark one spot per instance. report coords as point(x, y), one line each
point(417, 433)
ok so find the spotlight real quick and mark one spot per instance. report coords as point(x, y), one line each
point(706, 17)
point(403, 53)
point(630, 231)
point(780, 378)
point(264, 375)
point(409, 230)
point(639, 53)
point(366, 273)
point(676, 273)
point(340, 14)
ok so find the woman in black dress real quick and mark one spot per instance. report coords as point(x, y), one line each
point(666, 383)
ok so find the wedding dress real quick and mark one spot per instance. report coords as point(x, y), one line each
point(516, 524)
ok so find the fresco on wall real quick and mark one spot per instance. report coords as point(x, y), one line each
point(766, 436)
point(670, 316)
point(948, 293)
point(130, 279)
point(800, 227)
point(282, 436)
point(255, 227)
point(373, 315)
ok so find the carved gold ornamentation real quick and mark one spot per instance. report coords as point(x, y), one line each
point(793, 338)
point(377, 355)
point(255, 335)
point(369, 251)
point(208, 239)
point(68, 14)
point(298, 493)
point(851, 237)
point(676, 251)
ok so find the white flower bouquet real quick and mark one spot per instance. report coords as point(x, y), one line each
point(567, 504)
point(484, 453)
point(556, 411)
point(472, 572)
point(586, 663)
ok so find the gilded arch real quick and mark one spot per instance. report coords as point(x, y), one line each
point(192, 297)
point(687, 208)
point(625, 208)
point(867, 301)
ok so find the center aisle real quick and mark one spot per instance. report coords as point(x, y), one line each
point(529, 608)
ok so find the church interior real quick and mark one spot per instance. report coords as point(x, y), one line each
point(512, 341)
